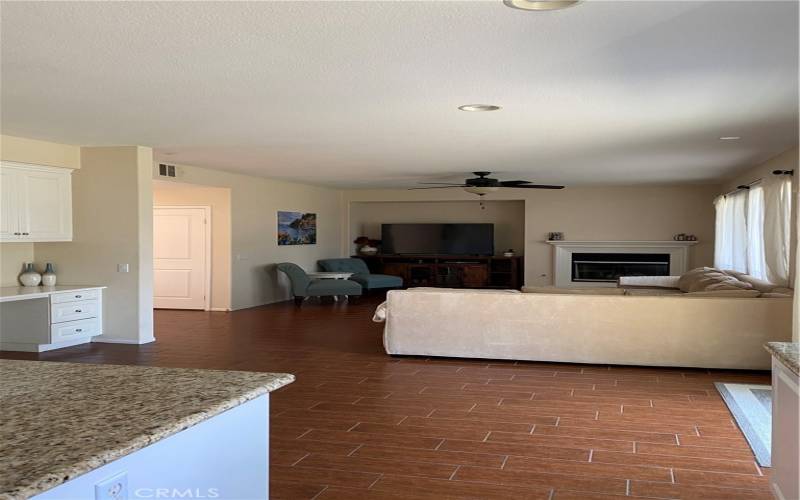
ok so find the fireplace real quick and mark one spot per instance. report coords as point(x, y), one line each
point(599, 263)
point(607, 267)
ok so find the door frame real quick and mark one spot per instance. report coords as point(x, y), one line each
point(207, 241)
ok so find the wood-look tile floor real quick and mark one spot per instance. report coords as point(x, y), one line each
point(360, 424)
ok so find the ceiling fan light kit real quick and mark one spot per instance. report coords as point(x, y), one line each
point(540, 5)
point(479, 107)
point(481, 190)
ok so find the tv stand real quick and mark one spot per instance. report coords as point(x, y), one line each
point(450, 271)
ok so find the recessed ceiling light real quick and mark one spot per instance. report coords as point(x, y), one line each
point(730, 138)
point(479, 107)
point(540, 4)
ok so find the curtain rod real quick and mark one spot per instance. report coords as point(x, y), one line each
point(747, 186)
point(742, 187)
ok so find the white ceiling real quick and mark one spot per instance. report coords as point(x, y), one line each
point(364, 94)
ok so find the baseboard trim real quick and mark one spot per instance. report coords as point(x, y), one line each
point(220, 309)
point(123, 341)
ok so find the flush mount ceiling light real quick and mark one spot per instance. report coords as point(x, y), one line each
point(540, 4)
point(730, 138)
point(479, 107)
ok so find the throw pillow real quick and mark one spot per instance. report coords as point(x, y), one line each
point(705, 279)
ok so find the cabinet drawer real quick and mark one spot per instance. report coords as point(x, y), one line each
point(70, 311)
point(75, 329)
point(59, 298)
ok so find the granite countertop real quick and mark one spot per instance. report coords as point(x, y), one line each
point(12, 293)
point(52, 414)
point(787, 353)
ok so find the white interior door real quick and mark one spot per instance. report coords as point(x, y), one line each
point(181, 248)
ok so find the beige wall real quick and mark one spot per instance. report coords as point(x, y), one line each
point(589, 213)
point(788, 160)
point(40, 152)
point(12, 255)
point(112, 224)
point(219, 199)
point(254, 248)
point(508, 218)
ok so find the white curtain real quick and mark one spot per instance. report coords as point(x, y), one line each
point(777, 220)
point(756, 262)
point(730, 247)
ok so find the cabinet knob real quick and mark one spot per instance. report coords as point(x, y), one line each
point(17, 234)
point(79, 329)
point(78, 296)
point(25, 234)
point(78, 310)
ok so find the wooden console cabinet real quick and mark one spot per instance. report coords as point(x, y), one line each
point(451, 271)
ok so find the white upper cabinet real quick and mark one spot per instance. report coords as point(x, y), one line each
point(35, 202)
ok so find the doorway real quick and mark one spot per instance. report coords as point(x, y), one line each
point(182, 257)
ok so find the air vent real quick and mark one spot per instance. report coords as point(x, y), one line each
point(166, 170)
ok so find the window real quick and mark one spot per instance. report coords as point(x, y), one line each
point(752, 230)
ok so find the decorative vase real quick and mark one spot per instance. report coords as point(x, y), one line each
point(49, 276)
point(30, 277)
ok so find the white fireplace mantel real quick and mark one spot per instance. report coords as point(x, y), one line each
point(677, 250)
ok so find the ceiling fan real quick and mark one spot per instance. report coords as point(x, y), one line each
point(483, 184)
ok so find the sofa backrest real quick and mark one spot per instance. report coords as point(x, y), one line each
point(298, 278)
point(356, 266)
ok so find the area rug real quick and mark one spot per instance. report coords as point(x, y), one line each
point(751, 406)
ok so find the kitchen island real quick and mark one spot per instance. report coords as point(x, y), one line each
point(785, 477)
point(71, 430)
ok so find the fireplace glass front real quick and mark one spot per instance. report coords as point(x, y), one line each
point(607, 267)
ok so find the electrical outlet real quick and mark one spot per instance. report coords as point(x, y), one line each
point(123, 268)
point(113, 488)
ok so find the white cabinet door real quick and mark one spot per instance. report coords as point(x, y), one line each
point(40, 199)
point(9, 208)
point(46, 206)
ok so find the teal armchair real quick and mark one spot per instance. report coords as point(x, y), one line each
point(303, 286)
point(361, 274)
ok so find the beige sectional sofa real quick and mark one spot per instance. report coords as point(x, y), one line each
point(655, 330)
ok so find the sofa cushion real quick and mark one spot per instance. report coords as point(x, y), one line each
point(333, 287)
point(573, 291)
point(659, 282)
point(461, 290)
point(758, 284)
point(651, 292)
point(731, 294)
point(343, 266)
point(370, 281)
point(708, 279)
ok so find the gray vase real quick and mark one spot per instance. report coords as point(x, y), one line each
point(49, 276)
point(29, 276)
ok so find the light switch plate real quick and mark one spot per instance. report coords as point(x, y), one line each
point(113, 488)
point(123, 268)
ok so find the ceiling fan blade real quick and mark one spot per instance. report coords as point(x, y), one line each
point(537, 186)
point(437, 187)
point(443, 183)
point(513, 183)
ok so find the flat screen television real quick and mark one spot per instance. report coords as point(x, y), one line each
point(442, 239)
